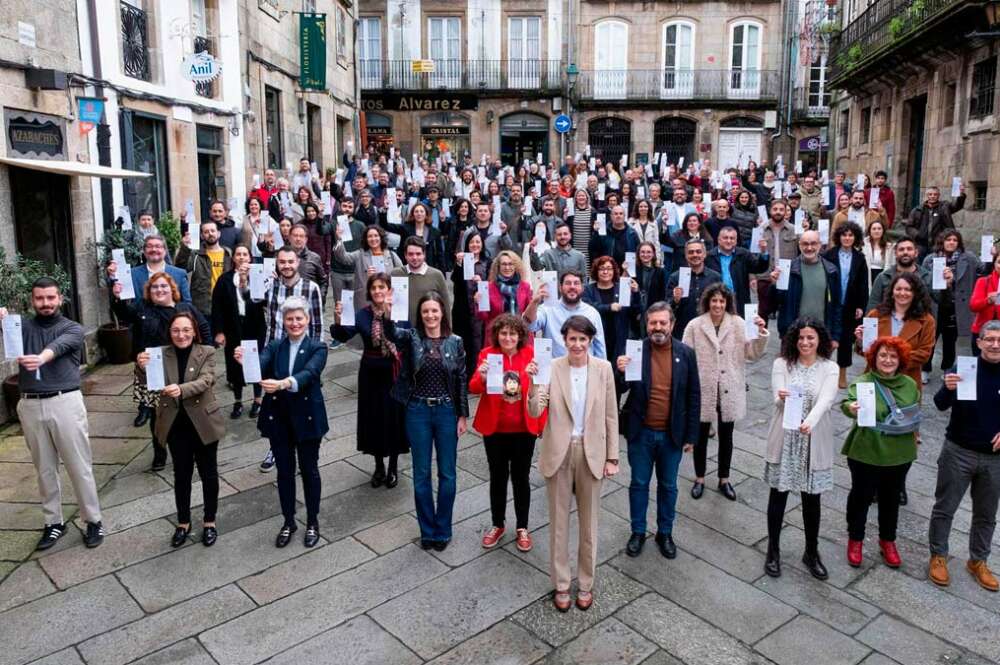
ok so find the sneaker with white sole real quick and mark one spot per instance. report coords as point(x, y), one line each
point(94, 535)
point(51, 534)
point(268, 463)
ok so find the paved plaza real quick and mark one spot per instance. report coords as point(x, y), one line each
point(368, 594)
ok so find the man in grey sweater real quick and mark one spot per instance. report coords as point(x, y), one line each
point(52, 413)
point(422, 278)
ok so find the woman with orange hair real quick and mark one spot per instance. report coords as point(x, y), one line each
point(880, 456)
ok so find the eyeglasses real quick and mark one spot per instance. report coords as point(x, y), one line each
point(990, 341)
point(159, 287)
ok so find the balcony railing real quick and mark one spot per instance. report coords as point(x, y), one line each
point(882, 24)
point(135, 42)
point(808, 105)
point(521, 75)
point(678, 84)
point(207, 88)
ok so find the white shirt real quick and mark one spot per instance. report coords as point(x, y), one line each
point(421, 271)
point(578, 384)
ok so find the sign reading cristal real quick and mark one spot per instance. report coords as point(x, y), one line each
point(201, 67)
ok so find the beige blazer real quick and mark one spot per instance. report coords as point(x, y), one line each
point(600, 429)
point(196, 393)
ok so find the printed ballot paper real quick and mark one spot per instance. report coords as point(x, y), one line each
point(468, 266)
point(630, 263)
point(378, 262)
point(602, 224)
point(749, 314)
point(986, 249)
point(483, 291)
point(869, 332)
point(956, 186)
point(549, 281)
point(251, 361)
point(543, 358)
point(494, 374)
point(866, 400)
point(794, 403)
point(347, 307)
point(625, 292)
point(755, 237)
point(258, 281)
point(13, 342)
point(400, 298)
point(344, 228)
point(155, 379)
point(938, 281)
point(968, 367)
point(633, 370)
point(784, 271)
point(123, 274)
point(684, 281)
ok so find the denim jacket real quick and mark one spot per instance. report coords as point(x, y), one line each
point(413, 347)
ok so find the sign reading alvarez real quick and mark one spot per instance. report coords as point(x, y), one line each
point(437, 101)
point(312, 51)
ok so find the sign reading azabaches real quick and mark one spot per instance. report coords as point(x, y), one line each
point(433, 101)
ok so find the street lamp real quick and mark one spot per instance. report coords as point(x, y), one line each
point(572, 73)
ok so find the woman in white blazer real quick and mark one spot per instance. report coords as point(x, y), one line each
point(800, 458)
point(579, 449)
point(719, 340)
point(879, 251)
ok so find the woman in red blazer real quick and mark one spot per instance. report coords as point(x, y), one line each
point(510, 287)
point(508, 430)
point(985, 302)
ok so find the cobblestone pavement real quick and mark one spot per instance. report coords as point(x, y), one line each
point(368, 594)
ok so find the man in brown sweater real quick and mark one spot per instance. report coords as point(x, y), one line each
point(422, 277)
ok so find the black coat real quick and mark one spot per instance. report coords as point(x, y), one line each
point(744, 265)
point(857, 290)
point(150, 322)
point(685, 397)
point(226, 320)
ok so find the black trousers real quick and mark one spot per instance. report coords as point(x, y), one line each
point(947, 332)
point(866, 481)
point(307, 452)
point(188, 452)
point(725, 446)
point(509, 455)
point(776, 503)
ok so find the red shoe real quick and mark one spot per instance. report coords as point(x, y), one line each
point(523, 540)
point(889, 553)
point(854, 553)
point(493, 537)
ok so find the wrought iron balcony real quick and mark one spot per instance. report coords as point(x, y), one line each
point(135, 42)
point(681, 85)
point(523, 76)
point(810, 106)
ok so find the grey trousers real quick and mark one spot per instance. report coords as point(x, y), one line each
point(340, 281)
point(56, 429)
point(958, 468)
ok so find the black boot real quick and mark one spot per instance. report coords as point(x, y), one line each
point(159, 457)
point(772, 565)
point(812, 561)
point(142, 416)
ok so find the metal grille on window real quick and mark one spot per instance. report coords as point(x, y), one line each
point(135, 42)
point(610, 138)
point(675, 138)
point(207, 88)
point(984, 76)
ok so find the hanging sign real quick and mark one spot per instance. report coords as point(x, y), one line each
point(312, 51)
point(201, 67)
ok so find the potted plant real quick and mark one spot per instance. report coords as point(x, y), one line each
point(16, 278)
point(170, 228)
point(115, 338)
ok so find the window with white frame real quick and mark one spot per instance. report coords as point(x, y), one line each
point(444, 43)
point(678, 59)
point(370, 51)
point(524, 51)
point(744, 59)
point(610, 60)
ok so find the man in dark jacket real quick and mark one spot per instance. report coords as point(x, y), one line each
point(660, 419)
point(620, 238)
point(205, 266)
point(813, 289)
point(686, 307)
point(737, 265)
point(934, 216)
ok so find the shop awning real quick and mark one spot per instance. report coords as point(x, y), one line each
point(63, 167)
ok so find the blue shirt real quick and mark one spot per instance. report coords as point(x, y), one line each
point(725, 261)
point(845, 256)
point(551, 318)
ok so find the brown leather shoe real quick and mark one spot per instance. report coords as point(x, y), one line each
point(937, 571)
point(584, 599)
point(562, 601)
point(981, 572)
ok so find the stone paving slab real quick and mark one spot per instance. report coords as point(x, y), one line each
point(133, 513)
point(18, 481)
point(825, 602)
point(607, 642)
point(481, 593)
point(17, 545)
point(62, 619)
point(271, 629)
point(188, 652)
point(805, 640)
point(64, 657)
point(503, 644)
point(26, 583)
point(156, 631)
point(360, 641)
point(390, 535)
point(909, 645)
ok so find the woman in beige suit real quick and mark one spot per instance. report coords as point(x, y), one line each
point(189, 419)
point(579, 449)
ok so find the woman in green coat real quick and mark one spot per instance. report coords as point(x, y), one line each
point(880, 456)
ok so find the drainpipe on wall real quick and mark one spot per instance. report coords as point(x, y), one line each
point(103, 130)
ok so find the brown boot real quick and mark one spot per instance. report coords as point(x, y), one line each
point(843, 378)
point(938, 570)
point(981, 572)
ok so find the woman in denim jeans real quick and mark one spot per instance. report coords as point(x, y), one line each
point(432, 385)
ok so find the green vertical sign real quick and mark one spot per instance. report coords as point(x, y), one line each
point(312, 51)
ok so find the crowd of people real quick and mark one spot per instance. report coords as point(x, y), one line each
point(578, 302)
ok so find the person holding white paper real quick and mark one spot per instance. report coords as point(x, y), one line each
point(801, 460)
point(722, 350)
point(205, 265)
point(291, 283)
point(686, 306)
point(879, 251)
point(509, 288)
point(985, 301)
point(236, 317)
point(859, 212)
point(736, 264)
point(603, 293)
point(421, 277)
point(372, 253)
point(782, 244)
point(845, 253)
point(932, 217)
point(549, 318)
point(509, 430)
point(813, 289)
point(189, 420)
point(619, 240)
point(381, 431)
point(469, 323)
point(880, 456)
point(970, 457)
point(418, 224)
point(259, 231)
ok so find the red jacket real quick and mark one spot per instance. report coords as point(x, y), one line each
point(263, 194)
point(984, 309)
point(488, 411)
point(496, 302)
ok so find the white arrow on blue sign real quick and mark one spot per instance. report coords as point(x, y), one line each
point(563, 124)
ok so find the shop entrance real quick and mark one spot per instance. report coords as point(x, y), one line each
point(523, 136)
point(441, 133)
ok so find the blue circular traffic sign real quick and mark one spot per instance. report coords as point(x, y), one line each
point(563, 124)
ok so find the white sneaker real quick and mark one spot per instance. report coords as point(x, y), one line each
point(268, 463)
point(925, 377)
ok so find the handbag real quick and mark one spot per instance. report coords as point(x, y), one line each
point(901, 420)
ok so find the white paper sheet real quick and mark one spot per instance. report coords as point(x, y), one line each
point(785, 271)
point(755, 237)
point(866, 400)
point(13, 341)
point(823, 226)
point(794, 403)
point(602, 224)
point(800, 216)
point(468, 266)
point(126, 216)
point(956, 187)
point(968, 367)
point(483, 289)
point(327, 203)
point(550, 280)
point(762, 214)
point(270, 266)
point(194, 236)
point(939, 282)
point(155, 378)
point(869, 332)
point(986, 249)
point(749, 314)
point(400, 298)
point(258, 281)
point(602, 189)
point(625, 292)
point(347, 307)
point(633, 370)
point(344, 228)
point(543, 358)
point(684, 281)
point(630, 263)
point(494, 374)
point(251, 361)
point(189, 209)
point(873, 200)
point(378, 262)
